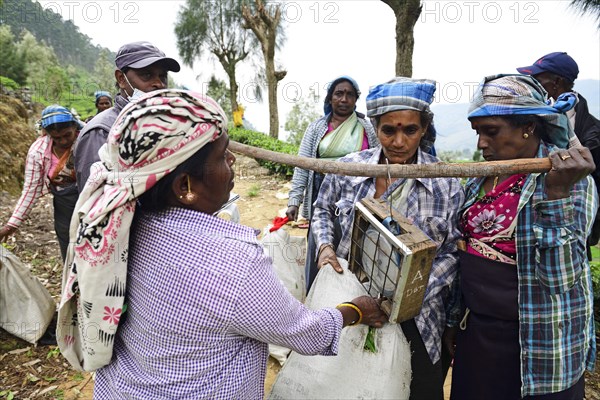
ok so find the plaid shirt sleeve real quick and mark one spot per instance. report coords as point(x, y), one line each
point(336, 199)
point(450, 251)
point(308, 146)
point(560, 229)
point(453, 306)
point(324, 213)
point(34, 184)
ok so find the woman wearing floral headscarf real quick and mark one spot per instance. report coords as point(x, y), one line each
point(528, 329)
point(401, 114)
point(49, 168)
point(184, 305)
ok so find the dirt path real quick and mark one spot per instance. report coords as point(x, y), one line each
point(27, 371)
point(40, 372)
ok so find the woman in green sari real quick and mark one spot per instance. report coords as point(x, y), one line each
point(341, 131)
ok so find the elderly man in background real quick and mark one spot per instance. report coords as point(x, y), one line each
point(557, 73)
point(140, 67)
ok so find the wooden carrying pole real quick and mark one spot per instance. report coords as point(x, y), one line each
point(437, 170)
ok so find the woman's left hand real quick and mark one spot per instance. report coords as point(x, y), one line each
point(5, 232)
point(568, 167)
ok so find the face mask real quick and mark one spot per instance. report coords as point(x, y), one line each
point(137, 93)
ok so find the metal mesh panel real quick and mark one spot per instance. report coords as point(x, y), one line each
point(395, 265)
point(378, 260)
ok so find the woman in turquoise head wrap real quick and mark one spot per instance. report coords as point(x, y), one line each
point(341, 131)
point(104, 101)
point(524, 276)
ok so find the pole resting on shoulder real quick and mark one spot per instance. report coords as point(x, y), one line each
point(435, 170)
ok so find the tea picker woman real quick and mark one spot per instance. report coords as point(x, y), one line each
point(49, 168)
point(202, 298)
point(400, 112)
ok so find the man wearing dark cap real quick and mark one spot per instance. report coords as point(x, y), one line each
point(557, 73)
point(140, 68)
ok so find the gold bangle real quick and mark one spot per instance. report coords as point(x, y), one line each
point(355, 308)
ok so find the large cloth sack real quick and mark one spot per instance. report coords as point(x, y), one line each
point(354, 373)
point(26, 307)
point(289, 255)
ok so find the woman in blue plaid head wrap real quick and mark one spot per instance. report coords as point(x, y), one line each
point(49, 168)
point(400, 112)
point(527, 328)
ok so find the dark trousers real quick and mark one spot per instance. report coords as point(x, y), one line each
point(310, 268)
point(427, 378)
point(575, 392)
point(64, 203)
point(487, 362)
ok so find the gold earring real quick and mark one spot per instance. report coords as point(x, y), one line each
point(525, 135)
point(190, 196)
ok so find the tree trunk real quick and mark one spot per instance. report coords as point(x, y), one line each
point(263, 23)
point(436, 170)
point(407, 14)
point(233, 87)
point(272, 89)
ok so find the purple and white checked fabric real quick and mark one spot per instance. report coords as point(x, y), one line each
point(203, 302)
point(149, 139)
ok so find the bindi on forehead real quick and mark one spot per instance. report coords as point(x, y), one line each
point(344, 91)
point(400, 124)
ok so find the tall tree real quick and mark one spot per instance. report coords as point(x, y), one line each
point(407, 13)
point(44, 74)
point(215, 26)
point(588, 7)
point(104, 72)
point(68, 43)
point(300, 116)
point(265, 22)
point(218, 90)
point(12, 63)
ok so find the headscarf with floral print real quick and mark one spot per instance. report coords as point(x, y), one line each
point(149, 139)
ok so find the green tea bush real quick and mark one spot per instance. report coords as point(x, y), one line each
point(596, 281)
point(258, 139)
point(595, 267)
point(8, 83)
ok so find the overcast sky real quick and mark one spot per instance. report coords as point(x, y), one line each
point(457, 43)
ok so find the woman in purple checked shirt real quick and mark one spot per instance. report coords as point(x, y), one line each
point(194, 297)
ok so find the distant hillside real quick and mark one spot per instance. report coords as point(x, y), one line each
point(70, 45)
point(454, 130)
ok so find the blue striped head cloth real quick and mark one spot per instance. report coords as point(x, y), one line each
point(400, 94)
point(327, 109)
point(512, 94)
point(56, 114)
point(102, 93)
point(403, 93)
